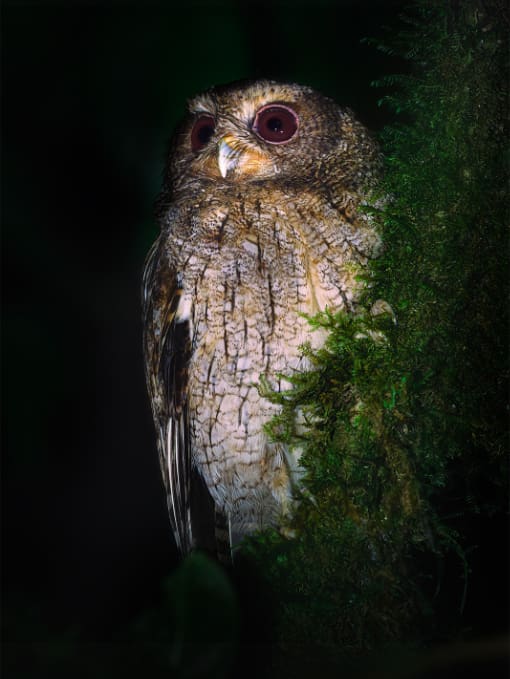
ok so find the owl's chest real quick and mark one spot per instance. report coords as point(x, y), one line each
point(240, 268)
point(251, 267)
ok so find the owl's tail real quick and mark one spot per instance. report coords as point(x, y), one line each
point(222, 535)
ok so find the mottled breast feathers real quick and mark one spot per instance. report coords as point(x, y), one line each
point(260, 223)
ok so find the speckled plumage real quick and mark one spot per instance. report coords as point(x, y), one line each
point(240, 257)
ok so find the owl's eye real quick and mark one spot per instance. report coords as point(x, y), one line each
point(202, 131)
point(276, 123)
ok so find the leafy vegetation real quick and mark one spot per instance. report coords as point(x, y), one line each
point(406, 406)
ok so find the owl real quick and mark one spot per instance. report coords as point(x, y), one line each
point(261, 227)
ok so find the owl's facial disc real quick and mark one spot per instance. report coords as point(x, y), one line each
point(241, 145)
point(275, 124)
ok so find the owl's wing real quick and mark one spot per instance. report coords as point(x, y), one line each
point(167, 348)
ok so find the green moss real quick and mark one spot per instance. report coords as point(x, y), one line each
point(405, 415)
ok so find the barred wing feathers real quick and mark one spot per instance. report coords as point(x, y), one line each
point(167, 348)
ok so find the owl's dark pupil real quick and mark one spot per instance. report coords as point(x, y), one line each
point(204, 133)
point(275, 124)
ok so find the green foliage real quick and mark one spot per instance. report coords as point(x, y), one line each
point(402, 415)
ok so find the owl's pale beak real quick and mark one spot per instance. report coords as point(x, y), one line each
point(228, 156)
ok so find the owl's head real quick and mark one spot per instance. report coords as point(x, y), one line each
point(264, 130)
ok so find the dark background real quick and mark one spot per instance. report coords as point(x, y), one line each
point(91, 92)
